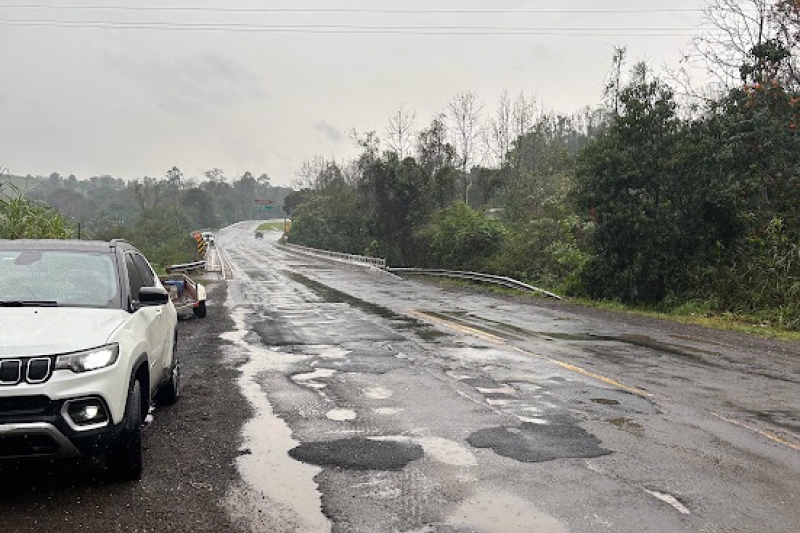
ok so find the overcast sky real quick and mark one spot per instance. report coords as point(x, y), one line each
point(133, 92)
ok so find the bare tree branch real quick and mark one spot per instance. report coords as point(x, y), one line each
point(400, 131)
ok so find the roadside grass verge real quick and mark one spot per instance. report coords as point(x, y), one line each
point(751, 325)
point(684, 314)
point(275, 226)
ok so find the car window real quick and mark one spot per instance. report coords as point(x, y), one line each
point(134, 277)
point(145, 271)
point(67, 277)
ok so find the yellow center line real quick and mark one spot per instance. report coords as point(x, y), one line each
point(458, 327)
point(771, 436)
point(499, 340)
point(573, 368)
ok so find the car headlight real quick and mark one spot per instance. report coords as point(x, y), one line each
point(89, 359)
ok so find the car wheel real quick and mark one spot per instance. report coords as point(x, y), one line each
point(200, 310)
point(124, 460)
point(169, 392)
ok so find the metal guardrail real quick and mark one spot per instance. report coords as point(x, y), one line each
point(475, 276)
point(376, 262)
point(381, 264)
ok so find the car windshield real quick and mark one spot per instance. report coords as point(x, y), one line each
point(67, 278)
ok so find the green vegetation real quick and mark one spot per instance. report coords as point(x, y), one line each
point(21, 218)
point(688, 210)
point(156, 215)
point(271, 226)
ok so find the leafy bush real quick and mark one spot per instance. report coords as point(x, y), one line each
point(20, 218)
point(459, 238)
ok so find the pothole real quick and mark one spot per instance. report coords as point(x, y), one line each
point(628, 425)
point(358, 453)
point(605, 401)
point(538, 442)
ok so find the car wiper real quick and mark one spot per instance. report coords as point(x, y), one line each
point(28, 303)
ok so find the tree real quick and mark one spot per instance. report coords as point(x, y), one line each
point(70, 204)
point(462, 239)
point(215, 174)
point(400, 131)
point(745, 29)
point(614, 82)
point(464, 112)
point(174, 178)
point(199, 207)
point(499, 130)
point(624, 182)
point(295, 199)
point(149, 194)
point(438, 159)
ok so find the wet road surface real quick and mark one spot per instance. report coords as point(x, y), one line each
point(413, 408)
point(321, 397)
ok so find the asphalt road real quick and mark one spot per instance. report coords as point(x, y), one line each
point(323, 397)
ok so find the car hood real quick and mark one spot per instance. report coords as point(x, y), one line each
point(27, 331)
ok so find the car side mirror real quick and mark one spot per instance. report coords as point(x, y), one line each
point(150, 296)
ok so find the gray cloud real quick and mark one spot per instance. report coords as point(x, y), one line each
point(330, 132)
point(199, 82)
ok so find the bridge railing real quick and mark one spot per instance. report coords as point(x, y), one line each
point(381, 264)
point(376, 262)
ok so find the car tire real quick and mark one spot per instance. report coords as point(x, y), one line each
point(200, 310)
point(170, 390)
point(124, 460)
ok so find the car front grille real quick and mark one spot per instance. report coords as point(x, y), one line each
point(27, 369)
point(24, 405)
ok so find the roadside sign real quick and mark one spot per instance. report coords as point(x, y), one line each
point(264, 203)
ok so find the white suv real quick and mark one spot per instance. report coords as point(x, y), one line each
point(87, 340)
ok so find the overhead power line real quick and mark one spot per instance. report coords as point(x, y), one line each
point(352, 29)
point(78, 7)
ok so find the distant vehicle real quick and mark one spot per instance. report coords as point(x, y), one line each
point(208, 237)
point(259, 235)
point(88, 341)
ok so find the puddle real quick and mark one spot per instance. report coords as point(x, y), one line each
point(605, 401)
point(328, 294)
point(429, 334)
point(319, 373)
point(341, 415)
point(642, 341)
point(505, 390)
point(332, 352)
point(483, 382)
point(377, 364)
point(378, 393)
point(439, 449)
point(628, 425)
point(541, 421)
point(274, 488)
point(447, 451)
point(501, 512)
point(358, 453)
point(670, 499)
point(477, 326)
point(387, 411)
point(549, 439)
point(782, 418)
